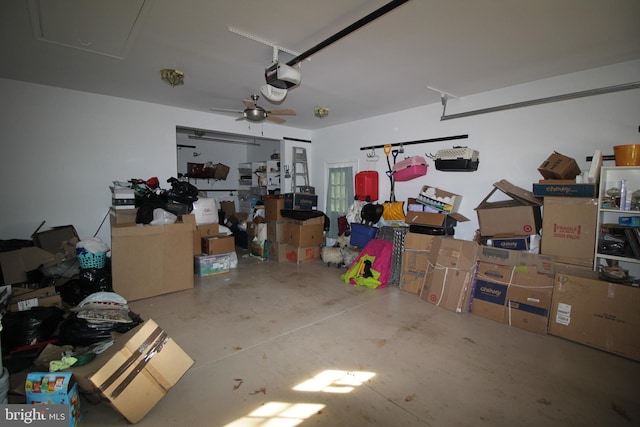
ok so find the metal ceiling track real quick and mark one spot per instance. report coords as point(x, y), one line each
point(556, 98)
point(421, 141)
point(348, 30)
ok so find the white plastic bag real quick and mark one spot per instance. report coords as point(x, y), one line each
point(162, 217)
point(206, 211)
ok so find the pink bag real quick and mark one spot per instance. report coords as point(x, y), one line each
point(410, 168)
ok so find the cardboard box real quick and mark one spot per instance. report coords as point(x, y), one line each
point(272, 208)
point(60, 241)
point(415, 259)
point(17, 264)
point(149, 260)
point(440, 201)
point(558, 166)
point(136, 372)
point(24, 298)
point(450, 272)
point(123, 216)
point(216, 245)
point(597, 313)
point(514, 288)
point(302, 254)
point(519, 243)
point(564, 188)
point(277, 251)
point(304, 233)
point(275, 231)
point(519, 215)
point(569, 229)
point(54, 388)
point(301, 201)
point(209, 265)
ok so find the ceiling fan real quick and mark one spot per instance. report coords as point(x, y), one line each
point(255, 113)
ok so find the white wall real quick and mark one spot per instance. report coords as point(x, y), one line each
point(61, 149)
point(512, 144)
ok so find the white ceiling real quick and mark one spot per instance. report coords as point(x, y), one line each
point(459, 46)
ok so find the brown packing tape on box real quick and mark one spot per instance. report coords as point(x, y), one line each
point(135, 373)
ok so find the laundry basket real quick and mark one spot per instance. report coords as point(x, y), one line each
point(88, 259)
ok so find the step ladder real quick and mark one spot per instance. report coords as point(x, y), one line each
point(300, 174)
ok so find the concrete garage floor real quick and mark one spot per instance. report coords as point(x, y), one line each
point(280, 344)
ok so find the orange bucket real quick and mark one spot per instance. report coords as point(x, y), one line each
point(627, 155)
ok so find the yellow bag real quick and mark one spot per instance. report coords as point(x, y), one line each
point(393, 211)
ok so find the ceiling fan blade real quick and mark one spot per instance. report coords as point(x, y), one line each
point(249, 104)
point(276, 119)
point(283, 112)
point(226, 110)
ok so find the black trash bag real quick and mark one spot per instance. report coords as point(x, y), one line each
point(95, 280)
point(79, 332)
point(29, 327)
point(146, 203)
point(182, 191)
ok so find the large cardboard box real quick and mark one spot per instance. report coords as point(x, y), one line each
point(415, 259)
point(558, 166)
point(304, 233)
point(597, 313)
point(302, 254)
point(149, 260)
point(277, 251)
point(136, 372)
point(450, 272)
point(569, 229)
point(272, 208)
point(16, 265)
point(518, 215)
point(514, 287)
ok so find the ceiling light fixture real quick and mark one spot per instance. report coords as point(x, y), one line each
point(321, 112)
point(171, 76)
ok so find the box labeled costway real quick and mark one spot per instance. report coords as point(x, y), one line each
point(136, 372)
point(149, 260)
point(569, 229)
point(564, 188)
point(450, 272)
point(597, 313)
point(301, 201)
point(558, 166)
point(54, 388)
point(514, 288)
point(518, 215)
point(415, 259)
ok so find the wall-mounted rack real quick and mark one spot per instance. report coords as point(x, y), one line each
point(421, 141)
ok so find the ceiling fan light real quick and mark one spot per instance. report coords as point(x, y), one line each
point(255, 115)
point(273, 94)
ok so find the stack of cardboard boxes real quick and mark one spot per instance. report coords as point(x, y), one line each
point(550, 288)
point(290, 239)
